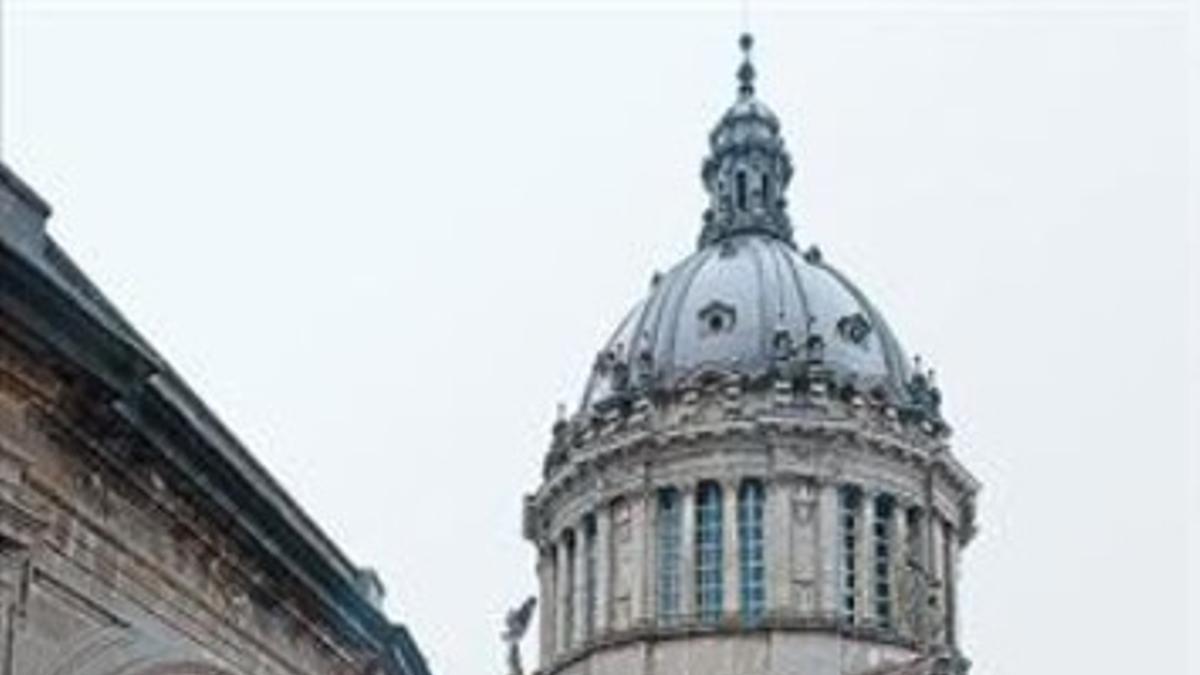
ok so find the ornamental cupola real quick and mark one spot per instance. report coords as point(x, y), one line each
point(758, 478)
point(747, 170)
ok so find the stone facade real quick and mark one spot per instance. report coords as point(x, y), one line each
point(137, 537)
point(757, 481)
point(804, 447)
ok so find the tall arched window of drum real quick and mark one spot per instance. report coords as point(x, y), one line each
point(740, 185)
point(669, 535)
point(751, 569)
point(849, 504)
point(709, 577)
point(881, 568)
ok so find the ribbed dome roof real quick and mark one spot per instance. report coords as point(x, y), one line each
point(749, 305)
point(746, 303)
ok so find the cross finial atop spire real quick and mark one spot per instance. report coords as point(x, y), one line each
point(745, 73)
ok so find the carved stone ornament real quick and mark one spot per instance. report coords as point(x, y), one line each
point(516, 623)
point(854, 328)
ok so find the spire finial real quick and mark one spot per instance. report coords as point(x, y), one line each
point(745, 73)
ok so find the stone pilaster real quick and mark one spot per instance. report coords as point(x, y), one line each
point(899, 562)
point(649, 556)
point(603, 572)
point(777, 547)
point(687, 550)
point(562, 588)
point(730, 567)
point(864, 602)
point(829, 548)
point(579, 587)
point(937, 572)
point(638, 554)
point(950, 574)
point(804, 530)
point(546, 604)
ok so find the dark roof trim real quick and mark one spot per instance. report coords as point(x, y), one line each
point(64, 326)
point(22, 190)
point(54, 307)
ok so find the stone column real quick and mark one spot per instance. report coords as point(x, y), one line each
point(649, 556)
point(829, 547)
point(899, 564)
point(546, 604)
point(864, 598)
point(638, 571)
point(730, 567)
point(562, 587)
point(777, 546)
point(687, 551)
point(937, 569)
point(950, 557)
point(579, 588)
point(603, 557)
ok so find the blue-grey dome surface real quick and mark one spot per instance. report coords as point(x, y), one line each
point(747, 305)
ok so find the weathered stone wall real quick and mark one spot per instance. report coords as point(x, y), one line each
point(111, 565)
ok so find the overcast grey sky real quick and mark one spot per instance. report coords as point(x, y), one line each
point(383, 241)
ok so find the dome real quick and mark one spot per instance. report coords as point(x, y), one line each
point(753, 306)
point(758, 479)
point(746, 303)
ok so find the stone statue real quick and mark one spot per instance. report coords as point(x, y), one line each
point(516, 622)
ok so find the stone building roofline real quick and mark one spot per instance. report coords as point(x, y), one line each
point(56, 303)
point(13, 184)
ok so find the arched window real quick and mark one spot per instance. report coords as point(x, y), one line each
point(589, 575)
point(741, 190)
point(709, 578)
point(669, 522)
point(750, 550)
point(849, 503)
point(766, 190)
point(881, 567)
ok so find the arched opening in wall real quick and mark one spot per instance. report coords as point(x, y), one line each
point(883, 509)
point(668, 535)
point(709, 578)
point(751, 568)
point(741, 190)
point(849, 506)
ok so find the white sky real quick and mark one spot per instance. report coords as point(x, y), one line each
point(383, 242)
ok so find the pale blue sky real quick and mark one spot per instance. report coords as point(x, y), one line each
point(383, 241)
